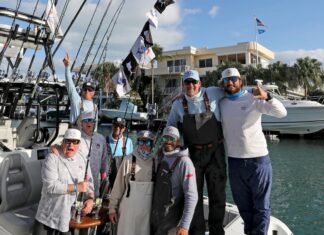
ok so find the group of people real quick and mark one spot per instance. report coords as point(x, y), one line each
point(161, 192)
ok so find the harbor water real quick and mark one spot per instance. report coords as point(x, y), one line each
point(297, 196)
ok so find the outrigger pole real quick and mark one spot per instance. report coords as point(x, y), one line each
point(93, 41)
point(84, 36)
point(12, 34)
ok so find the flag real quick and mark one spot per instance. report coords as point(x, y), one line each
point(260, 31)
point(152, 16)
point(146, 34)
point(129, 66)
point(142, 54)
point(259, 22)
point(160, 5)
point(52, 20)
point(121, 82)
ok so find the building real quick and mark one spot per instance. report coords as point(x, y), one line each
point(169, 71)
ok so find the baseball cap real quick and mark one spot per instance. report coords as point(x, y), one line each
point(72, 134)
point(230, 72)
point(119, 121)
point(88, 84)
point(171, 131)
point(88, 115)
point(145, 135)
point(191, 74)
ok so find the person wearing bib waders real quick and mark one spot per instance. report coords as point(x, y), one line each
point(118, 146)
point(197, 114)
point(131, 196)
point(175, 191)
point(79, 104)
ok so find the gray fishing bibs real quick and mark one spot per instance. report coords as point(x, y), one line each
point(166, 209)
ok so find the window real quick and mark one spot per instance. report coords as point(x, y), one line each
point(176, 65)
point(205, 63)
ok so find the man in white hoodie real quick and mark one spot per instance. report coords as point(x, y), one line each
point(250, 171)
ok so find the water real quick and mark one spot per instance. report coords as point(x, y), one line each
point(297, 196)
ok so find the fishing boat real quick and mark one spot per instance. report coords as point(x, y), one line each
point(303, 116)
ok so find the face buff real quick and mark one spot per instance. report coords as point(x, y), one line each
point(236, 95)
point(143, 154)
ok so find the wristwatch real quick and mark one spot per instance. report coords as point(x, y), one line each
point(269, 96)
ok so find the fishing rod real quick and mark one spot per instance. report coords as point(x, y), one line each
point(17, 61)
point(84, 36)
point(12, 34)
point(104, 52)
point(117, 12)
point(68, 28)
point(93, 41)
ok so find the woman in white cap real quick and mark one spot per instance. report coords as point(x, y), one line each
point(63, 178)
point(131, 196)
point(175, 190)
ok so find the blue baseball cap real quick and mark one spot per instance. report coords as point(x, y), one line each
point(191, 74)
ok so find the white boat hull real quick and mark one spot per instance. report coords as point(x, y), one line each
point(113, 113)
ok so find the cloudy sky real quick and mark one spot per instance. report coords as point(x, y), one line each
point(294, 28)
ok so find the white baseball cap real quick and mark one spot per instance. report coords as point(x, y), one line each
point(72, 134)
point(88, 115)
point(230, 72)
point(171, 131)
point(145, 135)
point(191, 74)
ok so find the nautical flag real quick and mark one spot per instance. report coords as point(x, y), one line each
point(142, 54)
point(259, 22)
point(121, 82)
point(129, 65)
point(152, 15)
point(52, 19)
point(160, 5)
point(260, 31)
point(146, 34)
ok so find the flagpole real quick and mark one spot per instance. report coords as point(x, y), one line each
point(256, 40)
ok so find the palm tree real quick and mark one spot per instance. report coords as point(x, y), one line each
point(103, 74)
point(308, 72)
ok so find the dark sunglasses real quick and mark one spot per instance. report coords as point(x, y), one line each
point(168, 139)
point(119, 125)
point(88, 89)
point(89, 120)
point(70, 141)
point(187, 82)
point(232, 79)
point(144, 142)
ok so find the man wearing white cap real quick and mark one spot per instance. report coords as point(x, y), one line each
point(250, 170)
point(175, 190)
point(62, 177)
point(131, 197)
point(196, 114)
point(99, 163)
point(78, 103)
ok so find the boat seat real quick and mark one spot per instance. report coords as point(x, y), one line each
point(21, 185)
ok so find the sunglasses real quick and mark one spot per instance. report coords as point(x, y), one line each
point(232, 79)
point(119, 125)
point(89, 120)
point(187, 82)
point(168, 139)
point(88, 89)
point(71, 141)
point(144, 142)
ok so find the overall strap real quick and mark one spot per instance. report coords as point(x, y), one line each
point(124, 146)
point(206, 101)
point(132, 174)
point(175, 163)
point(153, 171)
point(184, 103)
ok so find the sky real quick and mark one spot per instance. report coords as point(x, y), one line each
point(294, 28)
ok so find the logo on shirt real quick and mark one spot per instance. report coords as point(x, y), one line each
point(189, 175)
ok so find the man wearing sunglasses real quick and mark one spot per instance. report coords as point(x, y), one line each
point(131, 196)
point(175, 191)
point(63, 178)
point(250, 171)
point(119, 146)
point(196, 114)
point(78, 103)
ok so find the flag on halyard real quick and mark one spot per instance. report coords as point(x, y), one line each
point(259, 22)
point(260, 31)
point(52, 19)
point(142, 54)
point(152, 16)
point(121, 82)
point(129, 66)
point(146, 34)
point(160, 5)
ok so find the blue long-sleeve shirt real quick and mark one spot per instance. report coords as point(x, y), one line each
point(75, 98)
point(196, 105)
